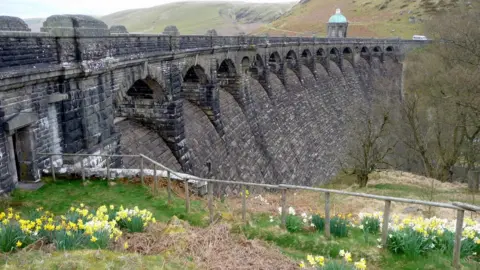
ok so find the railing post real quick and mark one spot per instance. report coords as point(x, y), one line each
point(327, 215)
point(386, 217)
point(169, 188)
point(284, 207)
point(244, 203)
point(155, 179)
point(53, 168)
point(141, 170)
point(210, 201)
point(108, 169)
point(458, 239)
point(83, 170)
point(187, 197)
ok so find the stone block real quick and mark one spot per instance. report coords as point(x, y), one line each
point(8, 23)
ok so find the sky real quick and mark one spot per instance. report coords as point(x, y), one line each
point(44, 8)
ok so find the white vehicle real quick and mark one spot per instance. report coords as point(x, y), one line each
point(418, 37)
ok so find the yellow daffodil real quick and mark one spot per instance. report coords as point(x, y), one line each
point(348, 256)
point(361, 265)
point(93, 239)
point(311, 260)
point(320, 260)
point(302, 264)
point(125, 245)
point(19, 244)
point(112, 207)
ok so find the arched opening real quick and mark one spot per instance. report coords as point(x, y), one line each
point(347, 51)
point(377, 49)
point(321, 53)
point(389, 49)
point(245, 64)
point(140, 90)
point(274, 61)
point(227, 69)
point(195, 74)
point(291, 59)
point(365, 50)
point(306, 54)
point(257, 66)
point(334, 55)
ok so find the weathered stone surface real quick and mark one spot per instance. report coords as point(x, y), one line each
point(74, 25)
point(211, 32)
point(238, 114)
point(8, 23)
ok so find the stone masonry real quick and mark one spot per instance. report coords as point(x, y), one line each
point(262, 109)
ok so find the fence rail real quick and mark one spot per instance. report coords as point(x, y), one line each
point(458, 206)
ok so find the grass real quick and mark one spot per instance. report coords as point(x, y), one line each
point(299, 245)
point(223, 16)
point(59, 196)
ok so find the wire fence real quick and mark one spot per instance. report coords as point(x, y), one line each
point(186, 178)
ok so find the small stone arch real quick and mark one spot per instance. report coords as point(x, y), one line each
point(274, 61)
point(306, 54)
point(257, 66)
point(377, 49)
point(348, 55)
point(146, 88)
point(334, 55)
point(291, 59)
point(227, 68)
point(389, 49)
point(321, 53)
point(245, 64)
point(364, 51)
point(196, 74)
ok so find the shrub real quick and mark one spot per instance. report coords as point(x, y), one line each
point(370, 224)
point(319, 222)
point(134, 220)
point(293, 223)
point(339, 226)
point(11, 236)
point(68, 240)
point(409, 242)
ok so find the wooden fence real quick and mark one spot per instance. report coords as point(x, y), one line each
point(459, 207)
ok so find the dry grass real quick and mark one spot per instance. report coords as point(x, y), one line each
point(207, 248)
point(397, 184)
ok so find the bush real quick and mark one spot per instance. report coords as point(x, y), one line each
point(134, 220)
point(293, 223)
point(319, 222)
point(370, 224)
point(11, 236)
point(409, 242)
point(68, 240)
point(339, 226)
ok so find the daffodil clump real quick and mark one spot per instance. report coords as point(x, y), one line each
point(417, 236)
point(80, 227)
point(346, 263)
point(134, 220)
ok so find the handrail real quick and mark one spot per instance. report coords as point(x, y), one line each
point(460, 207)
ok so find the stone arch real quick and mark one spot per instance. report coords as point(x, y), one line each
point(226, 68)
point(196, 74)
point(146, 88)
point(274, 61)
point(321, 53)
point(334, 54)
point(306, 54)
point(257, 66)
point(245, 64)
point(389, 49)
point(377, 49)
point(291, 59)
point(348, 55)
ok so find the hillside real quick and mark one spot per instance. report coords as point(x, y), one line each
point(367, 18)
point(228, 18)
point(35, 23)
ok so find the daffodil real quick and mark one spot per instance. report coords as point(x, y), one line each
point(361, 265)
point(302, 264)
point(125, 245)
point(93, 239)
point(348, 256)
point(19, 244)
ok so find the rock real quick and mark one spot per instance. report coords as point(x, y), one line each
point(9, 23)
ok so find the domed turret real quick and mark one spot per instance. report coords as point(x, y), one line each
point(337, 25)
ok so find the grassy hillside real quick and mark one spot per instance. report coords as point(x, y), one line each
point(228, 18)
point(35, 23)
point(367, 18)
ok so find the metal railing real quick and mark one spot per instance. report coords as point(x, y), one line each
point(458, 206)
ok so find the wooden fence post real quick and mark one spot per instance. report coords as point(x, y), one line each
point(284, 207)
point(327, 215)
point(53, 168)
point(210, 201)
point(169, 187)
point(108, 169)
point(187, 197)
point(83, 170)
point(244, 203)
point(155, 179)
point(458, 239)
point(141, 170)
point(386, 217)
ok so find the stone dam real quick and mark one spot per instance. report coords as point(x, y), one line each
point(242, 108)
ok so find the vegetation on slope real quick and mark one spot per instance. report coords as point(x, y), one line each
point(228, 18)
point(367, 18)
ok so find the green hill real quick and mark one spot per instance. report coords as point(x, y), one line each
point(367, 18)
point(228, 18)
